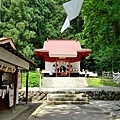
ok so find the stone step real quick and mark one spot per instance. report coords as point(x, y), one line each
point(50, 95)
point(67, 98)
point(66, 102)
point(63, 86)
point(66, 92)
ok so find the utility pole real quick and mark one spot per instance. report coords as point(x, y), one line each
point(0, 11)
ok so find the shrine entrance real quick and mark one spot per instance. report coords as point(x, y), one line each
point(62, 70)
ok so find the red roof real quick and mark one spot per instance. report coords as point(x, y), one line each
point(53, 49)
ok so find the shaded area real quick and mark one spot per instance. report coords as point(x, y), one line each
point(26, 113)
point(96, 110)
point(9, 114)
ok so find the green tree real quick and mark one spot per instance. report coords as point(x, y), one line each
point(16, 17)
point(101, 32)
point(97, 27)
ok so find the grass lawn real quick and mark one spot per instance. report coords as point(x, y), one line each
point(34, 79)
point(95, 82)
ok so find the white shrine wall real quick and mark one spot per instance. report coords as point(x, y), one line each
point(49, 66)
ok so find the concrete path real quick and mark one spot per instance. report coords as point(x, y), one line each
point(96, 110)
point(22, 112)
point(8, 114)
point(64, 82)
point(105, 88)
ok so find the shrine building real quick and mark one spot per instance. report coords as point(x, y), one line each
point(62, 57)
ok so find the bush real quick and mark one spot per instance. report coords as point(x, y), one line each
point(33, 79)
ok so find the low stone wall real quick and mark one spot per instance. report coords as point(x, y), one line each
point(33, 96)
point(103, 95)
point(36, 96)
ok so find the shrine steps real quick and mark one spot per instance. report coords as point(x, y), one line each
point(57, 98)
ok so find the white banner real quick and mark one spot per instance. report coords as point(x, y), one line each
point(72, 9)
point(66, 25)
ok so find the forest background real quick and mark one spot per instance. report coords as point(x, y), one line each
point(30, 22)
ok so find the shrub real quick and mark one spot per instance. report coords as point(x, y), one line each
point(33, 79)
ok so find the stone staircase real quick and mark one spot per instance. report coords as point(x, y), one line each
point(65, 97)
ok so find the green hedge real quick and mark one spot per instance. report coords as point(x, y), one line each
point(33, 79)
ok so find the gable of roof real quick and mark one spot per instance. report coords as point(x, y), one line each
point(7, 44)
point(7, 41)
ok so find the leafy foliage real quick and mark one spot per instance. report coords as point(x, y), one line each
point(97, 27)
point(101, 32)
point(16, 18)
point(33, 79)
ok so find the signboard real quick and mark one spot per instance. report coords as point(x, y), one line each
point(11, 96)
point(19, 80)
point(5, 76)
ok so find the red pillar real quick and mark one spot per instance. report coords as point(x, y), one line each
point(69, 68)
point(56, 67)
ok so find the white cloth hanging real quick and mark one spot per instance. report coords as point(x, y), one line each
point(72, 9)
point(3, 93)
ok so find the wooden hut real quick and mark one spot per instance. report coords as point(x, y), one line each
point(11, 62)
